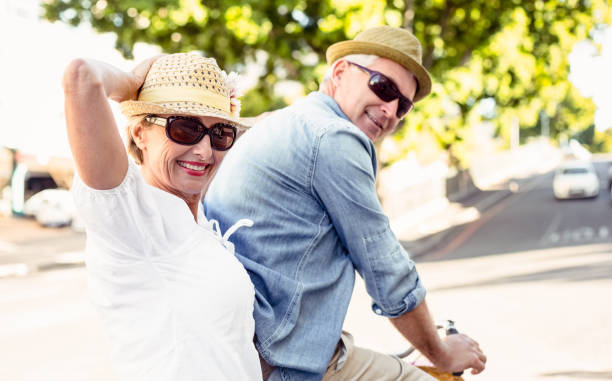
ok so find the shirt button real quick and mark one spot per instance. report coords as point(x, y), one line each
point(378, 311)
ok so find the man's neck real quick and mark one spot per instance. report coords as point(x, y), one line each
point(327, 88)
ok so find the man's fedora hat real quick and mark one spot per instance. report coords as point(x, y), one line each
point(187, 84)
point(396, 44)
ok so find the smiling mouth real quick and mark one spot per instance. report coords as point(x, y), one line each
point(373, 119)
point(192, 166)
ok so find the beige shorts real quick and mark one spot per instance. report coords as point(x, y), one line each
point(353, 363)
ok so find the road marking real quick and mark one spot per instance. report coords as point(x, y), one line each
point(551, 230)
point(603, 231)
point(582, 234)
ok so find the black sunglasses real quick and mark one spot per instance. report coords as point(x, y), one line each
point(189, 131)
point(385, 89)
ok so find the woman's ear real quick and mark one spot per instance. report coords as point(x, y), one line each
point(138, 135)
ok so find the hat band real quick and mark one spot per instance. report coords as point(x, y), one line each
point(167, 94)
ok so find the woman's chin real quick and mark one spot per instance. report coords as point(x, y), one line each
point(191, 190)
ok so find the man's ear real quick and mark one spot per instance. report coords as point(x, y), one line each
point(338, 71)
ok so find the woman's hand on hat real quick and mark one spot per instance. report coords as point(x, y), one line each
point(139, 73)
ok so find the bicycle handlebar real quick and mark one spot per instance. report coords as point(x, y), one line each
point(452, 330)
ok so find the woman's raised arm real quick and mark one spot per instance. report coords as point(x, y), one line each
point(98, 151)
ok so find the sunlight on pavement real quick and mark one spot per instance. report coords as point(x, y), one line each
point(523, 308)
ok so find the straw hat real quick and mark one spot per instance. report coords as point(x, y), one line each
point(188, 84)
point(396, 44)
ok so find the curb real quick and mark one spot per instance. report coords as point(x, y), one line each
point(60, 261)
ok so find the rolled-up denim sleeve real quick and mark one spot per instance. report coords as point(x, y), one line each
point(344, 180)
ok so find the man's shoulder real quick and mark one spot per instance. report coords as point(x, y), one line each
point(318, 110)
point(316, 113)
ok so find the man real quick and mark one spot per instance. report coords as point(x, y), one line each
point(306, 177)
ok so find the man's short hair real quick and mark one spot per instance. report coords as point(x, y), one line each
point(360, 59)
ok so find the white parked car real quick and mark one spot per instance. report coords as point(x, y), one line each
point(51, 207)
point(576, 180)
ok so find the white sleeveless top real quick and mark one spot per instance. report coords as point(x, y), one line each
point(174, 300)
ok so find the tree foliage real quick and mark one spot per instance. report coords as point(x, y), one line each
point(512, 54)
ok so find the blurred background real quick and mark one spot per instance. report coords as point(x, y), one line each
point(475, 179)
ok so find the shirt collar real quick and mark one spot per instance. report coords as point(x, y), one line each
point(329, 102)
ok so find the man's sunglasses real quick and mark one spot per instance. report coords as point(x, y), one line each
point(385, 89)
point(189, 131)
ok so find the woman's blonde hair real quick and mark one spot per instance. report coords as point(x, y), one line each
point(132, 148)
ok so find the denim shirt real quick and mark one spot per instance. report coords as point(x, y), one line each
point(306, 177)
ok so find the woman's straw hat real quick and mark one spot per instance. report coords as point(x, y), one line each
point(396, 44)
point(185, 83)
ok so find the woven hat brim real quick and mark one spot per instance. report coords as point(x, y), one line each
point(132, 108)
point(345, 48)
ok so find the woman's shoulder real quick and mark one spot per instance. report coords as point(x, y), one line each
point(106, 208)
point(133, 179)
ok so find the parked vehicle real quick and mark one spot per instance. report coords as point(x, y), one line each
point(51, 207)
point(576, 179)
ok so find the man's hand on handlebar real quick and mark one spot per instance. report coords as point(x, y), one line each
point(462, 353)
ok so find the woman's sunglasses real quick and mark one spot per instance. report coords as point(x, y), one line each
point(385, 89)
point(189, 131)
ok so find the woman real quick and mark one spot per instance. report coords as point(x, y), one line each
point(174, 300)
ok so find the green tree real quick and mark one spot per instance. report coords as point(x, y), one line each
point(512, 52)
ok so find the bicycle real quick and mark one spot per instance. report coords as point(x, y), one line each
point(449, 329)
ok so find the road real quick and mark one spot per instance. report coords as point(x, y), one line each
point(531, 280)
point(49, 331)
point(532, 220)
point(26, 247)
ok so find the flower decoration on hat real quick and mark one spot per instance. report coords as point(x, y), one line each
point(231, 80)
